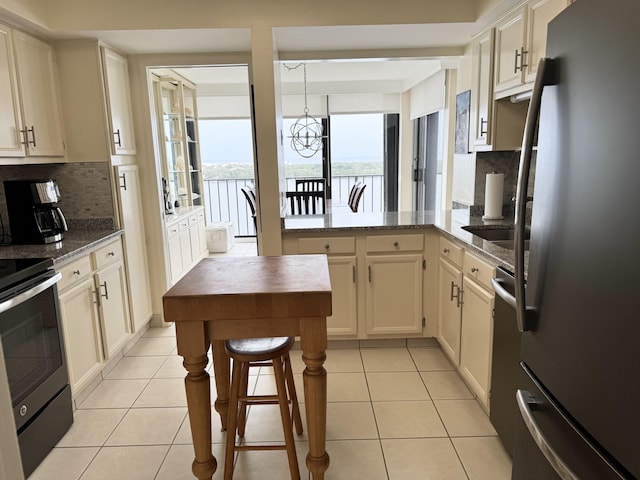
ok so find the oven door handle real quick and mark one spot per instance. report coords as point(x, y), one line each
point(32, 292)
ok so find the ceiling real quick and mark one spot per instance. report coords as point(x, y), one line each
point(389, 58)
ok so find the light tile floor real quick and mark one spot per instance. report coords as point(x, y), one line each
point(395, 413)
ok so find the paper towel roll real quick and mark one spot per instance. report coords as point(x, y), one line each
point(493, 196)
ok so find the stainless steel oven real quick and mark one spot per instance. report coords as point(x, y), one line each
point(34, 356)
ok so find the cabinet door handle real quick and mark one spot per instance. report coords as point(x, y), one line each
point(25, 136)
point(354, 274)
point(520, 54)
point(457, 295)
point(117, 142)
point(33, 136)
point(106, 291)
point(369, 268)
point(123, 185)
point(483, 124)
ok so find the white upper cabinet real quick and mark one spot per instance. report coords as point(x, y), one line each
point(521, 40)
point(116, 78)
point(510, 51)
point(539, 14)
point(97, 102)
point(10, 137)
point(30, 113)
point(38, 86)
point(483, 84)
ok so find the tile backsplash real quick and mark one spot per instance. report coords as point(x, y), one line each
point(500, 162)
point(85, 190)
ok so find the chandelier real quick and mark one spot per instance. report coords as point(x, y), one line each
point(306, 132)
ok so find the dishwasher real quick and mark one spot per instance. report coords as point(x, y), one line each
point(505, 370)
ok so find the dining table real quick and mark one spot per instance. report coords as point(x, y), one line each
point(225, 298)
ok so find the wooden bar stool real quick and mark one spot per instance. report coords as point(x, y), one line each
point(260, 352)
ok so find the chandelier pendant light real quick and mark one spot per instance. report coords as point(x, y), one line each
point(306, 132)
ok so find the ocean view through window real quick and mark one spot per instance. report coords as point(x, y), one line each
point(357, 154)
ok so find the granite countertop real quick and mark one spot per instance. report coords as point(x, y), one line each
point(75, 241)
point(450, 222)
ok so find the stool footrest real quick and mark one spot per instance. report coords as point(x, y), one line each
point(260, 447)
point(259, 399)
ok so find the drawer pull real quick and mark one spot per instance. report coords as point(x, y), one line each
point(445, 250)
point(474, 269)
point(396, 244)
point(327, 247)
point(76, 272)
point(111, 254)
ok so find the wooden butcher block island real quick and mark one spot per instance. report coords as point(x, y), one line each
point(250, 297)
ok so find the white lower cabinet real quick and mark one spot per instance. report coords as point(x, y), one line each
point(114, 307)
point(343, 272)
point(186, 238)
point(376, 282)
point(344, 318)
point(394, 294)
point(94, 308)
point(82, 333)
point(449, 286)
point(465, 315)
point(476, 339)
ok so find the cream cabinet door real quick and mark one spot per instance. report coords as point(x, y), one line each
point(119, 103)
point(114, 307)
point(10, 136)
point(185, 246)
point(540, 13)
point(510, 51)
point(394, 294)
point(476, 339)
point(130, 204)
point(174, 252)
point(344, 317)
point(449, 315)
point(483, 98)
point(81, 328)
point(37, 80)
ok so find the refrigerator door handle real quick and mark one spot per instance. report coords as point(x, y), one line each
point(527, 403)
point(526, 316)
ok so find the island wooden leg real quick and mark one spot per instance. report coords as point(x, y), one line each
point(313, 340)
point(192, 346)
point(221, 364)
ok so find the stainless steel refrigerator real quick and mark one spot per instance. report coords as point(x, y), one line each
point(579, 393)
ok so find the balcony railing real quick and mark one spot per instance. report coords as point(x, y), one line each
point(224, 202)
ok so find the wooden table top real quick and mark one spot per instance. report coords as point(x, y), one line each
point(251, 287)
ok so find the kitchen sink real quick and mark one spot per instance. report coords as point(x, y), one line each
point(500, 235)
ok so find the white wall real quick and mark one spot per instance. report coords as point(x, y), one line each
point(464, 166)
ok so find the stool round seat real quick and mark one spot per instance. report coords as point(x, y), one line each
point(262, 352)
point(258, 349)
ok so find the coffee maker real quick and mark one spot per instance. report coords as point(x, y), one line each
point(34, 217)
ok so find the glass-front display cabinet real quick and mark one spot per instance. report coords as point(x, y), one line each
point(178, 134)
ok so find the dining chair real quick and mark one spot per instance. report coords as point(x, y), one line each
point(306, 203)
point(355, 195)
point(249, 193)
point(311, 185)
